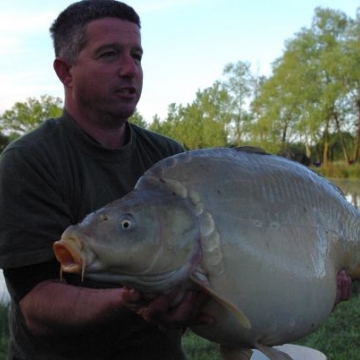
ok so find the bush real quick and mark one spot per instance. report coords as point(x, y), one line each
point(339, 171)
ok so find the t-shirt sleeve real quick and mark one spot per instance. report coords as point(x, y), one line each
point(21, 280)
point(29, 186)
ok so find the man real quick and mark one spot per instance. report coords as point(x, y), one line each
point(68, 167)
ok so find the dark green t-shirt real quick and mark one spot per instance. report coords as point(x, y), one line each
point(49, 179)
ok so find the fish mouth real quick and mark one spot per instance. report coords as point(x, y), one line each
point(68, 254)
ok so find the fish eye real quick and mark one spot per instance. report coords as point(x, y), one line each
point(126, 223)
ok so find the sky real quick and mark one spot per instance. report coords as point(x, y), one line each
point(187, 44)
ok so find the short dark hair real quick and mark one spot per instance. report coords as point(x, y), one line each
point(68, 31)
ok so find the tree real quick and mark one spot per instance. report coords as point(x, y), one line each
point(170, 126)
point(26, 116)
point(351, 75)
point(201, 124)
point(304, 99)
point(138, 120)
point(278, 104)
point(330, 29)
point(240, 85)
point(4, 141)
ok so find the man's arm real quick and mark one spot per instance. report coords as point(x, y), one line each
point(54, 308)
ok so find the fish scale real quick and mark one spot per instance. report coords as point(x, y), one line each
point(264, 236)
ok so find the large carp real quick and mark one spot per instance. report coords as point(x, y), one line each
point(263, 235)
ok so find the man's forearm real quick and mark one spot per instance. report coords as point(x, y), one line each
point(54, 308)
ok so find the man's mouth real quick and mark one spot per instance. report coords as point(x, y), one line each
point(127, 91)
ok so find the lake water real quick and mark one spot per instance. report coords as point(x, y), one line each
point(351, 189)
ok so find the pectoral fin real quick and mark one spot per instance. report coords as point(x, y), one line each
point(244, 321)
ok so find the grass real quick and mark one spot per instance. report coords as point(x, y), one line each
point(4, 329)
point(338, 338)
point(339, 170)
point(197, 348)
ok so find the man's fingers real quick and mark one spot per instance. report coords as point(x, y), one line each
point(343, 287)
point(186, 313)
point(132, 299)
point(161, 310)
point(154, 311)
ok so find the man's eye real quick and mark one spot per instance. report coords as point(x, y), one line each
point(108, 54)
point(137, 57)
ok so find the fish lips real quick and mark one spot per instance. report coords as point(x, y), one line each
point(68, 254)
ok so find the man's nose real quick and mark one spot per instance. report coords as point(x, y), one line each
point(128, 66)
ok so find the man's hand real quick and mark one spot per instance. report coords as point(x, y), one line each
point(161, 310)
point(343, 287)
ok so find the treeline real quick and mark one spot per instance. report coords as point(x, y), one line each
point(309, 105)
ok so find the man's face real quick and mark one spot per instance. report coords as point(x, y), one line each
point(107, 76)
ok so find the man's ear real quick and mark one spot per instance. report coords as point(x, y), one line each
point(63, 71)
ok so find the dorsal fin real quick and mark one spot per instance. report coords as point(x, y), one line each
point(252, 149)
point(167, 185)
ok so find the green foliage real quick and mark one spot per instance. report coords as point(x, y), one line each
point(197, 348)
point(305, 97)
point(339, 170)
point(201, 124)
point(138, 120)
point(4, 140)
point(240, 83)
point(4, 329)
point(26, 116)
